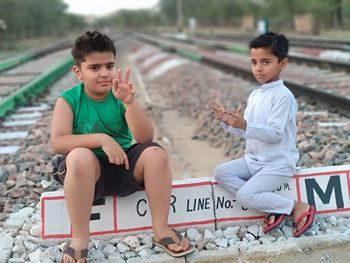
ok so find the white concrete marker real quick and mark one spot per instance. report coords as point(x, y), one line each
point(32, 115)
point(152, 59)
point(18, 123)
point(326, 187)
point(330, 124)
point(191, 205)
point(142, 51)
point(313, 113)
point(162, 68)
point(8, 149)
point(41, 107)
point(142, 85)
point(13, 135)
point(199, 202)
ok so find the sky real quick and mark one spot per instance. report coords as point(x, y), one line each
point(103, 7)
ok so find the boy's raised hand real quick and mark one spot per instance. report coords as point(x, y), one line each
point(219, 111)
point(123, 89)
point(236, 120)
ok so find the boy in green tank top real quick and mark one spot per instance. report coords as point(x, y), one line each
point(92, 127)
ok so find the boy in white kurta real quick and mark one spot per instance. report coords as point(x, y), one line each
point(269, 129)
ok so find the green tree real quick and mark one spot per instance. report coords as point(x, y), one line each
point(34, 18)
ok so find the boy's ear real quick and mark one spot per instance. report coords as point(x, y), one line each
point(77, 72)
point(283, 63)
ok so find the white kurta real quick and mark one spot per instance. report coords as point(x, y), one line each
point(271, 152)
point(271, 127)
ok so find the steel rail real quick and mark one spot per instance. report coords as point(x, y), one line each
point(213, 60)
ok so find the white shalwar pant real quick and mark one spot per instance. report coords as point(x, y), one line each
point(253, 187)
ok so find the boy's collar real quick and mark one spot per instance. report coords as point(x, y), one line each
point(269, 85)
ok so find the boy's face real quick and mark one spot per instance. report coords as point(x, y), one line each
point(265, 65)
point(97, 72)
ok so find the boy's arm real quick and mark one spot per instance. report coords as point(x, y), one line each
point(273, 131)
point(62, 139)
point(235, 131)
point(140, 125)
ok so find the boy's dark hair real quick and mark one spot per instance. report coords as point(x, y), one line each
point(91, 42)
point(278, 44)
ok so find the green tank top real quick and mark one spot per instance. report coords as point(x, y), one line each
point(107, 116)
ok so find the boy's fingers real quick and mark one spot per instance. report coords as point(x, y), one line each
point(115, 84)
point(119, 75)
point(239, 109)
point(126, 161)
point(132, 89)
point(231, 114)
point(216, 105)
point(127, 74)
point(111, 159)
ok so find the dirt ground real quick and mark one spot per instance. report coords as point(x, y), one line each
point(188, 158)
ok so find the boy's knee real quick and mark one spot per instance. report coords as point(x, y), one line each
point(245, 197)
point(218, 174)
point(80, 159)
point(155, 154)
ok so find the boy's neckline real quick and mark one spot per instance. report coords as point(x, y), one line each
point(93, 100)
point(271, 84)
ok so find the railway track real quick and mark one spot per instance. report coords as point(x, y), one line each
point(315, 55)
point(20, 88)
point(320, 84)
point(312, 42)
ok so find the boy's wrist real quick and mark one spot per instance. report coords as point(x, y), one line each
point(129, 102)
point(101, 138)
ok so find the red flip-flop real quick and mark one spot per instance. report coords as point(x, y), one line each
point(278, 221)
point(311, 216)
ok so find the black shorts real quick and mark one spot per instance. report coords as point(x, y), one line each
point(114, 179)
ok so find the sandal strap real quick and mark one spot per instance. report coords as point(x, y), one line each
point(167, 241)
point(75, 254)
point(179, 236)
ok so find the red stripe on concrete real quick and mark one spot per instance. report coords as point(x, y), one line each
point(239, 218)
point(191, 184)
point(320, 173)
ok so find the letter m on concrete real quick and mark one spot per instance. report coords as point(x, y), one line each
point(333, 187)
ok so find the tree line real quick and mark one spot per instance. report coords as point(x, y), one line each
point(327, 14)
point(34, 18)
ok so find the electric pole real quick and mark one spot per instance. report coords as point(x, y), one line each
point(179, 16)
